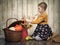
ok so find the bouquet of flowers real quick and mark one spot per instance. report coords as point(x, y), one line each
point(26, 25)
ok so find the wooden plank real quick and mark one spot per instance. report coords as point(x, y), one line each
point(56, 24)
point(15, 9)
point(5, 11)
point(50, 15)
point(30, 8)
point(39, 1)
point(1, 16)
point(4, 15)
point(59, 14)
point(25, 8)
point(0, 11)
point(10, 11)
point(20, 9)
point(10, 7)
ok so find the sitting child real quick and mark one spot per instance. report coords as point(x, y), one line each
point(42, 31)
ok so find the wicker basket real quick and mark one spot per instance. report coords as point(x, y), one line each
point(12, 35)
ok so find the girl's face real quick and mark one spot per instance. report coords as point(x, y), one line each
point(40, 9)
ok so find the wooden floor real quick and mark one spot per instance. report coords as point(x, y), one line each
point(31, 42)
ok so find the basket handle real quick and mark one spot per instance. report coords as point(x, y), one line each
point(8, 20)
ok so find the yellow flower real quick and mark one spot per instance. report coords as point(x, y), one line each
point(28, 38)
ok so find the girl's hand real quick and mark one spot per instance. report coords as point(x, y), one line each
point(22, 18)
point(33, 17)
point(28, 20)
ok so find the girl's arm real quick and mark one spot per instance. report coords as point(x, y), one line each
point(32, 18)
point(39, 19)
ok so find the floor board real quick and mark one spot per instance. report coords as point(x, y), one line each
point(31, 42)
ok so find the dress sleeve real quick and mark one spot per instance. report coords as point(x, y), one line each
point(39, 19)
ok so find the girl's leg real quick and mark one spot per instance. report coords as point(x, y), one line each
point(37, 38)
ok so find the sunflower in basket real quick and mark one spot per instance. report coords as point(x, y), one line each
point(25, 24)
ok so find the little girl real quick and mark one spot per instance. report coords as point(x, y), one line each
point(42, 31)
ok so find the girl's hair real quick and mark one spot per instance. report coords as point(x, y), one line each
point(43, 5)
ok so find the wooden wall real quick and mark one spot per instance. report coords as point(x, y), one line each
point(28, 8)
